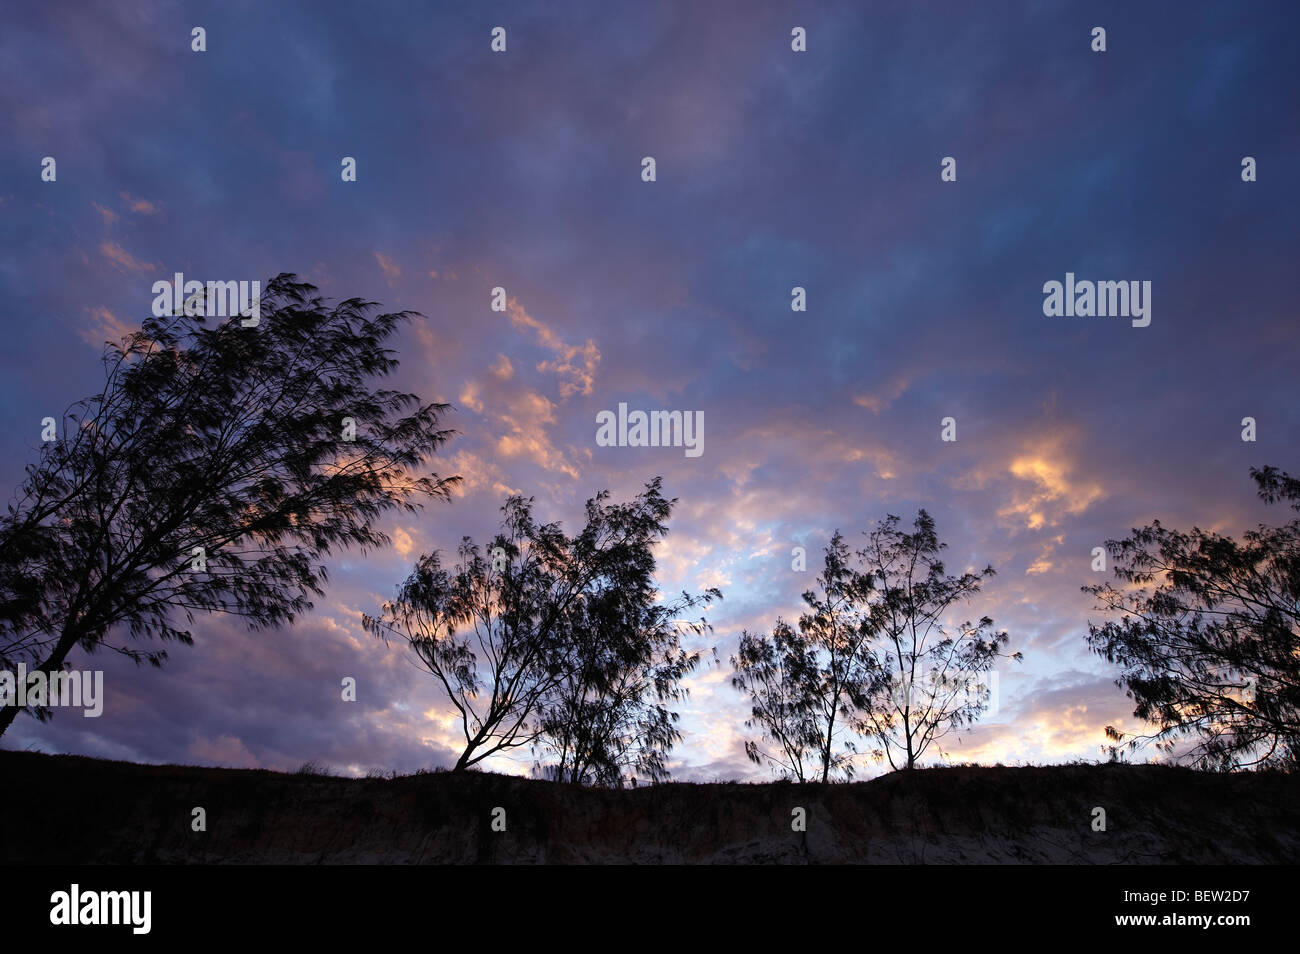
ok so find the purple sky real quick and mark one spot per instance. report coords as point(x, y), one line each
point(774, 169)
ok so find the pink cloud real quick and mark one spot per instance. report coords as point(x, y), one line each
point(124, 260)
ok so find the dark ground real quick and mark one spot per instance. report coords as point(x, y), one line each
point(69, 809)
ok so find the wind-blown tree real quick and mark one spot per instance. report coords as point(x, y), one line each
point(491, 630)
point(804, 685)
point(930, 673)
point(554, 642)
point(775, 672)
point(1209, 638)
point(610, 720)
point(211, 474)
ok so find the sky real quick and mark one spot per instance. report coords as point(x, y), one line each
point(774, 169)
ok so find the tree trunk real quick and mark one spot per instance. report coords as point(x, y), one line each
point(51, 665)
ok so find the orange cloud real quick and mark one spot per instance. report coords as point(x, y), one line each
point(528, 418)
point(1045, 487)
point(574, 364)
point(403, 542)
point(477, 474)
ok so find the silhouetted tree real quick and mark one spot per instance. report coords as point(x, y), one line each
point(1209, 638)
point(212, 473)
point(556, 642)
point(804, 684)
point(610, 721)
point(930, 675)
point(493, 630)
point(775, 672)
point(872, 657)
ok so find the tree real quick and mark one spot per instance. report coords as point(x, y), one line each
point(556, 642)
point(610, 721)
point(775, 672)
point(492, 631)
point(872, 657)
point(930, 678)
point(1209, 638)
point(213, 472)
point(804, 685)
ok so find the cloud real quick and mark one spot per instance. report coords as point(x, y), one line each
point(469, 396)
point(1060, 717)
point(392, 271)
point(527, 418)
point(575, 365)
point(1044, 562)
point(141, 206)
point(479, 474)
point(1041, 480)
point(125, 260)
point(1046, 488)
point(518, 412)
point(105, 326)
point(881, 398)
point(225, 750)
point(403, 542)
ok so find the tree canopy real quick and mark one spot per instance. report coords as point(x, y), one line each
point(557, 643)
point(212, 473)
point(1208, 638)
